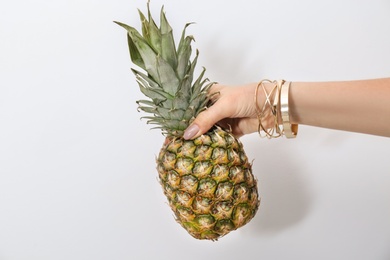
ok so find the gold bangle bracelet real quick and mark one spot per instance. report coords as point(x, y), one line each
point(272, 105)
point(289, 130)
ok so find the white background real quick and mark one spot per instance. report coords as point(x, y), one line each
point(77, 171)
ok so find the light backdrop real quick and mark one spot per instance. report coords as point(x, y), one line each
point(77, 170)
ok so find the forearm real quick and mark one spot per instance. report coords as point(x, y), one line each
point(358, 106)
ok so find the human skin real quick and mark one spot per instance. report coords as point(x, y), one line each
point(361, 106)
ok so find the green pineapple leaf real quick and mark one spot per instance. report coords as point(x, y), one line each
point(150, 31)
point(168, 51)
point(168, 74)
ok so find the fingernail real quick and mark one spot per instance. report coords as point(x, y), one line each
point(191, 131)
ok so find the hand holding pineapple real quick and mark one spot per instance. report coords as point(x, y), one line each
point(356, 106)
point(233, 109)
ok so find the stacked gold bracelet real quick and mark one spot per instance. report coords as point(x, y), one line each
point(275, 104)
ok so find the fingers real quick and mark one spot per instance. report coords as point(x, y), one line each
point(208, 118)
point(204, 121)
point(240, 126)
point(232, 108)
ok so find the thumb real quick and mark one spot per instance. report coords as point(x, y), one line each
point(203, 122)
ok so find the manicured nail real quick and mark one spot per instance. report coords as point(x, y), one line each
point(191, 132)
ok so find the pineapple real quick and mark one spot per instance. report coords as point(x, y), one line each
point(208, 181)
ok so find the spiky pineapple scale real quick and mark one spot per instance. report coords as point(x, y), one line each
point(208, 181)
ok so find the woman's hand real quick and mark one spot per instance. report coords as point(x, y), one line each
point(233, 109)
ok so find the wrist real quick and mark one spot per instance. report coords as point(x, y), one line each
point(272, 109)
point(267, 104)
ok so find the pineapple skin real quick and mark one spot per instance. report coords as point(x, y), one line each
point(209, 183)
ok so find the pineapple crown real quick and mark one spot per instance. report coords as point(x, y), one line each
point(175, 98)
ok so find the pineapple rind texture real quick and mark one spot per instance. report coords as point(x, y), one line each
point(209, 185)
